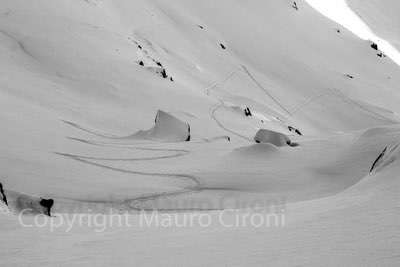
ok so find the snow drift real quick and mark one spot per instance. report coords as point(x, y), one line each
point(272, 137)
point(166, 128)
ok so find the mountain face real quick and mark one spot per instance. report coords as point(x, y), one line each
point(81, 82)
point(381, 17)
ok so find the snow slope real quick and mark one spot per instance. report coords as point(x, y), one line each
point(381, 16)
point(356, 227)
point(75, 76)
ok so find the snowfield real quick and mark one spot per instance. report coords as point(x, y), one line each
point(381, 17)
point(272, 129)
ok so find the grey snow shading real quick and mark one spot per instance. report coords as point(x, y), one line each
point(167, 128)
point(255, 150)
point(274, 138)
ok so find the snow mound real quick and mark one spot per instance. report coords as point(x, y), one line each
point(166, 128)
point(272, 137)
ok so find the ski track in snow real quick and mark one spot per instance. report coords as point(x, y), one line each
point(214, 117)
point(196, 184)
point(138, 203)
point(194, 187)
point(135, 203)
point(79, 127)
point(19, 43)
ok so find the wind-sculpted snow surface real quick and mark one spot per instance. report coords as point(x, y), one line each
point(166, 128)
point(271, 137)
point(381, 16)
point(80, 83)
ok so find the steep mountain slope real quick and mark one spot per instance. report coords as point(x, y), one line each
point(79, 62)
point(381, 16)
point(80, 79)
